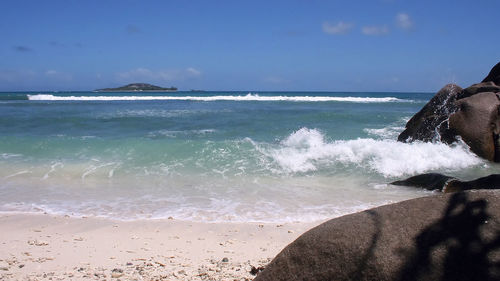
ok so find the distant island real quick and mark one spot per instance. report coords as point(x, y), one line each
point(138, 87)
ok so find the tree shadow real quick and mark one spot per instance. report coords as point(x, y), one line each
point(368, 255)
point(457, 237)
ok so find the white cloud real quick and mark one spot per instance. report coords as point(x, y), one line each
point(404, 21)
point(54, 74)
point(375, 30)
point(339, 28)
point(50, 72)
point(144, 75)
point(193, 71)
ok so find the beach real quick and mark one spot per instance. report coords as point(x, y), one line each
point(193, 140)
point(196, 185)
point(47, 247)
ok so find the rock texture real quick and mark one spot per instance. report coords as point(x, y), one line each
point(494, 75)
point(429, 181)
point(477, 122)
point(443, 237)
point(433, 181)
point(478, 88)
point(471, 114)
point(431, 122)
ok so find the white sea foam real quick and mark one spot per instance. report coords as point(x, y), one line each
point(92, 168)
point(52, 169)
point(307, 150)
point(390, 132)
point(17, 174)
point(146, 113)
point(215, 210)
point(9, 155)
point(249, 97)
point(192, 196)
point(173, 134)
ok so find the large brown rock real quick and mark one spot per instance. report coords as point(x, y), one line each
point(471, 113)
point(434, 181)
point(478, 88)
point(443, 237)
point(429, 181)
point(477, 121)
point(431, 122)
point(494, 75)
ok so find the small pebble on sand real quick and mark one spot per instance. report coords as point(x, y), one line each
point(117, 273)
point(38, 243)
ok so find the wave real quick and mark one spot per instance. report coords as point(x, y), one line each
point(303, 177)
point(249, 97)
point(215, 211)
point(306, 151)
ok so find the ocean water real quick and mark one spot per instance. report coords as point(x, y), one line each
point(214, 156)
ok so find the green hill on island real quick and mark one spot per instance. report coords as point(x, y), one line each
point(138, 87)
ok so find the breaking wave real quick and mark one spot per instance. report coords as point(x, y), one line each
point(249, 97)
point(308, 150)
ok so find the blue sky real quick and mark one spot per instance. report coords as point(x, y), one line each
point(372, 45)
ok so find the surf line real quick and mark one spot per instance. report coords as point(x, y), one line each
point(249, 97)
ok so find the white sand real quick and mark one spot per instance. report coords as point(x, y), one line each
point(44, 247)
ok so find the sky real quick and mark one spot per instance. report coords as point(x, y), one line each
point(344, 45)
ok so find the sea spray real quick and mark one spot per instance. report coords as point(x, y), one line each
point(307, 150)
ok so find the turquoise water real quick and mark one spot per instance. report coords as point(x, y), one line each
point(214, 156)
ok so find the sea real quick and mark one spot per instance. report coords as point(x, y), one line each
point(270, 157)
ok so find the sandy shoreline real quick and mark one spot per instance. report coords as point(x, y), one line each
point(45, 247)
